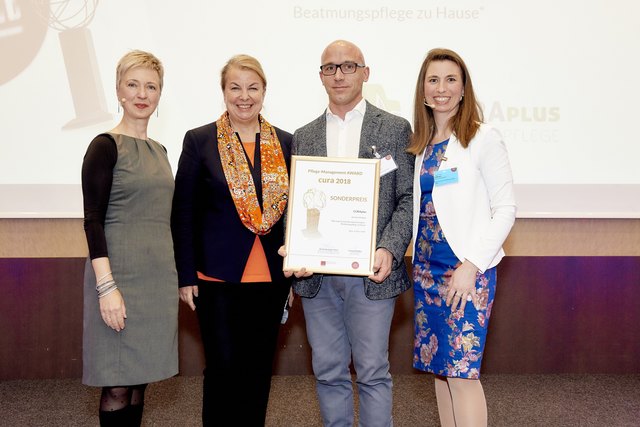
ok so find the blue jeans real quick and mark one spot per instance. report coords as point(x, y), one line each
point(343, 323)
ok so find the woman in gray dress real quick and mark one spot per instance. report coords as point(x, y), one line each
point(130, 284)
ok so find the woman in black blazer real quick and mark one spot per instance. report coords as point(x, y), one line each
point(227, 223)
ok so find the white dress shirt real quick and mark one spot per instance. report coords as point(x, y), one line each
point(343, 136)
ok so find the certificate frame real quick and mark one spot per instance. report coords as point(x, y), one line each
point(332, 215)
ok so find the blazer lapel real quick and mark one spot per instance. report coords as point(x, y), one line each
point(318, 131)
point(370, 126)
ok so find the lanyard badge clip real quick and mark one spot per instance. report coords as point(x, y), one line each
point(374, 152)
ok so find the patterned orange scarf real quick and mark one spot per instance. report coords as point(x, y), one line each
point(273, 170)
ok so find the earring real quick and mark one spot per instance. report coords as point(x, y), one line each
point(158, 110)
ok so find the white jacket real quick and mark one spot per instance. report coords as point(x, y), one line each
point(476, 213)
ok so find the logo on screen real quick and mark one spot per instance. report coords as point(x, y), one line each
point(22, 32)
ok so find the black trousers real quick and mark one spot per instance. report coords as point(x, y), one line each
point(239, 324)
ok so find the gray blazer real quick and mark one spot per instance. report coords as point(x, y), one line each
point(390, 134)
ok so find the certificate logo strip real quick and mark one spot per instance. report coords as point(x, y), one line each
point(332, 265)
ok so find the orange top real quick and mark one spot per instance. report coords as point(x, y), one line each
point(256, 269)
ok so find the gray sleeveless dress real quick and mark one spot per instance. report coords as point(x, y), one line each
point(138, 234)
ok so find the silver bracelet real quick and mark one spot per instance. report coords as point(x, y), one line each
point(103, 277)
point(104, 285)
point(108, 291)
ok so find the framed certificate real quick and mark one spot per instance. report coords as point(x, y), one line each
point(332, 215)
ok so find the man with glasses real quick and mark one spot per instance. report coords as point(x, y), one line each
point(348, 318)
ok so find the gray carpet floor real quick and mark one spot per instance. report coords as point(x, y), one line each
point(513, 400)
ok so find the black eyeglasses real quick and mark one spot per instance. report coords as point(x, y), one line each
point(345, 67)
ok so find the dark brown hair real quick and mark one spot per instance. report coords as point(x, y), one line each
point(466, 121)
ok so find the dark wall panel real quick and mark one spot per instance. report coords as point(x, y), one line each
point(566, 315)
point(40, 318)
point(551, 315)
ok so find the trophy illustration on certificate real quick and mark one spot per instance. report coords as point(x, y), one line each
point(314, 200)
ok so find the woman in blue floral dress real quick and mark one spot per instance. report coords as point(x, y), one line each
point(464, 209)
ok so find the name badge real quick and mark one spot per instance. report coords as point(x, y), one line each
point(387, 164)
point(446, 176)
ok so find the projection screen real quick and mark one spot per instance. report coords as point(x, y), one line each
point(556, 78)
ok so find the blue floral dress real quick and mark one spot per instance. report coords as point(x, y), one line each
point(446, 343)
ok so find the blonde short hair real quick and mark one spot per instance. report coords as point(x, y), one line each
point(138, 58)
point(243, 62)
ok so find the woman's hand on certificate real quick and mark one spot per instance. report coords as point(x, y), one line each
point(288, 273)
